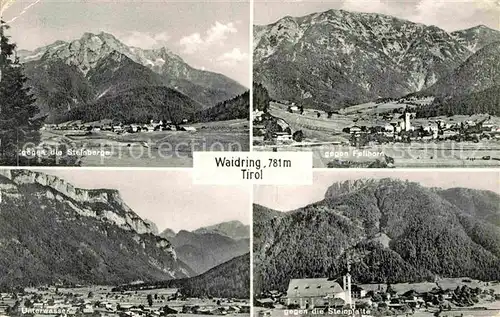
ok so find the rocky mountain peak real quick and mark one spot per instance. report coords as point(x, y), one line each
point(346, 187)
point(476, 37)
point(167, 233)
point(112, 207)
point(233, 229)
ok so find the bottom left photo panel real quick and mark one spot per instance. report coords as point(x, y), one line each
point(122, 243)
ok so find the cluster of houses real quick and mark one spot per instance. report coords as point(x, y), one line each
point(164, 302)
point(325, 293)
point(121, 128)
point(271, 128)
point(402, 129)
point(393, 126)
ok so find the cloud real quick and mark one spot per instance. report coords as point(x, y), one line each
point(145, 40)
point(216, 34)
point(378, 6)
point(232, 58)
point(450, 13)
point(191, 43)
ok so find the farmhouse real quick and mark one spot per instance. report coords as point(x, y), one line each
point(282, 136)
point(355, 129)
point(318, 292)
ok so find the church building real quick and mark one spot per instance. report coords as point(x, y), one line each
point(309, 293)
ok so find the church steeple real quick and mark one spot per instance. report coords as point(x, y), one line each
point(347, 284)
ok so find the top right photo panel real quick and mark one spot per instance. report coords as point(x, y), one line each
point(404, 84)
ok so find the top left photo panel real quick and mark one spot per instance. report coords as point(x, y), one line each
point(124, 83)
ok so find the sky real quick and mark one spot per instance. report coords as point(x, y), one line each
point(286, 198)
point(212, 35)
point(167, 197)
point(450, 15)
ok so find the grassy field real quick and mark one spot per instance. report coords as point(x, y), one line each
point(325, 139)
point(154, 149)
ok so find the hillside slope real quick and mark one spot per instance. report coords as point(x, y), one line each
point(393, 231)
point(235, 108)
point(52, 232)
point(476, 37)
point(228, 280)
point(471, 88)
point(479, 72)
point(139, 104)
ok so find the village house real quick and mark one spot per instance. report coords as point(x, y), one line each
point(257, 116)
point(355, 129)
point(389, 128)
point(318, 292)
point(265, 302)
point(282, 136)
point(358, 292)
point(488, 126)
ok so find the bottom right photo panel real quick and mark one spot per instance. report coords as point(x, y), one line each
point(377, 243)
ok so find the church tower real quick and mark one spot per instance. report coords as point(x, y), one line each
point(347, 285)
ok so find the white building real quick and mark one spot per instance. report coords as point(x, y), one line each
point(319, 292)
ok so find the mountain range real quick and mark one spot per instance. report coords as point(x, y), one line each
point(95, 71)
point(388, 229)
point(333, 59)
point(52, 232)
point(207, 247)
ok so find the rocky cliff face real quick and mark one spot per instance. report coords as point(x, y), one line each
point(115, 211)
point(337, 58)
point(51, 231)
point(347, 187)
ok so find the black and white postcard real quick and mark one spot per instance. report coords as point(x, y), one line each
point(122, 83)
point(379, 83)
point(94, 243)
point(413, 243)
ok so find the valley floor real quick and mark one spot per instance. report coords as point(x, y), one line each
point(324, 138)
point(152, 149)
point(100, 301)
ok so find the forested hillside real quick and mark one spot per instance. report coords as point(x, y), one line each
point(235, 108)
point(137, 105)
point(473, 87)
point(392, 231)
point(260, 97)
point(229, 280)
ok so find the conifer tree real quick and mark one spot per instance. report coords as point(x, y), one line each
point(17, 106)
